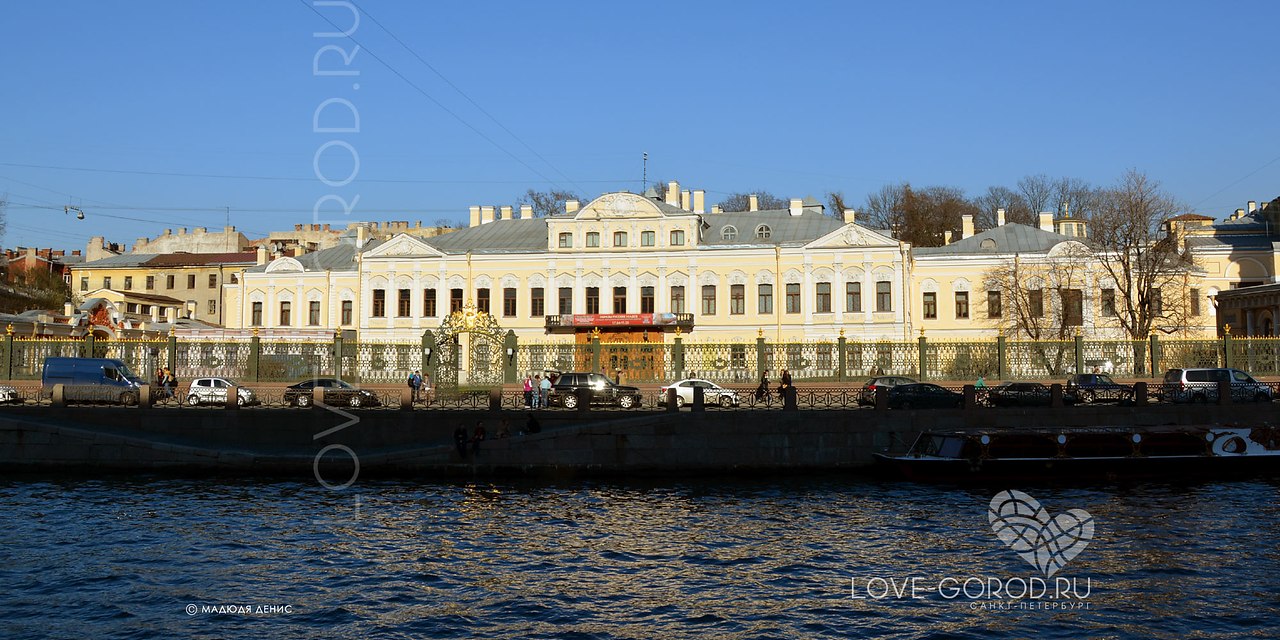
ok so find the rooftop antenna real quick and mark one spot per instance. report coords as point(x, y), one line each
point(644, 174)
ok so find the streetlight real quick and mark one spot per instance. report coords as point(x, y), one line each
point(79, 212)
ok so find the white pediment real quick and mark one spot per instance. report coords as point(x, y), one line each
point(403, 246)
point(619, 205)
point(853, 235)
point(280, 265)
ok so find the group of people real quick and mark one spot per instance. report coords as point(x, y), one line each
point(536, 389)
point(462, 440)
point(420, 386)
point(166, 383)
point(762, 391)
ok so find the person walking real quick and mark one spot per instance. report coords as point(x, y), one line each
point(426, 388)
point(785, 386)
point(544, 391)
point(415, 385)
point(528, 392)
point(762, 391)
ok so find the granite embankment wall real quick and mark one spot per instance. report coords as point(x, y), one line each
point(291, 441)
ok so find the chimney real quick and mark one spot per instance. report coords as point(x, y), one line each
point(850, 215)
point(715, 208)
point(571, 206)
point(1253, 206)
point(526, 212)
point(1000, 217)
point(797, 206)
point(301, 249)
point(200, 230)
point(753, 202)
point(486, 214)
point(475, 216)
point(1046, 221)
point(946, 237)
point(673, 193)
point(699, 201)
point(262, 254)
point(68, 309)
point(228, 229)
point(326, 228)
point(684, 199)
point(506, 212)
point(966, 226)
point(362, 236)
point(75, 252)
point(182, 231)
point(168, 232)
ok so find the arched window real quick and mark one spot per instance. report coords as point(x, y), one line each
point(763, 232)
point(729, 232)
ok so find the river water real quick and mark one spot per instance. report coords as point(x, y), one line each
point(789, 558)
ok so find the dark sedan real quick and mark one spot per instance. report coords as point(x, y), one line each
point(1024, 394)
point(1098, 387)
point(868, 395)
point(923, 395)
point(336, 393)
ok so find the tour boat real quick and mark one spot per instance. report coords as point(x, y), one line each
point(1087, 453)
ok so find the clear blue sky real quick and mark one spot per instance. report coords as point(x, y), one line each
point(792, 98)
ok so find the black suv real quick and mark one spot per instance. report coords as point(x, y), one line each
point(564, 392)
point(1098, 387)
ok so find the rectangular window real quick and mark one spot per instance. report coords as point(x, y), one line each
point(993, 304)
point(764, 298)
point(286, 310)
point(191, 280)
point(213, 281)
point(1195, 302)
point(1157, 302)
point(708, 299)
point(256, 316)
point(619, 238)
point(313, 313)
point(168, 281)
point(823, 298)
point(646, 300)
point(930, 305)
point(962, 305)
point(84, 284)
point(403, 310)
point(1108, 302)
point(346, 312)
point(677, 238)
point(647, 238)
point(593, 299)
point(884, 296)
point(793, 298)
point(566, 240)
point(379, 303)
point(737, 299)
point(1035, 303)
point(677, 299)
point(213, 307)
point(128, 283)
point(593, 239)
point(508, 302)
point(853, 297)
point(566, 300)
point(106, 282)
point(537, 304)
point(482, 300)
point(151, 283)
point(429, 303)
point(619, 299)
point(1072, 307)
point(455, 300)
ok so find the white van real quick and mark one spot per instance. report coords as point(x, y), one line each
point(1201, 385)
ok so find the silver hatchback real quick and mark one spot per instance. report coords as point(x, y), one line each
point(214, 391)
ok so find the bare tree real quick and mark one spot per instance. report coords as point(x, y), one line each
point(1148, 269)
point(740, 201)
point(1038, 192)
point(836, 204)
point(1076, 198)
point(996, 198)
point(884, 208)
point(919, 216)
point(1041, 298)
point(4, 206)
point(445, 223)
point(547, 203)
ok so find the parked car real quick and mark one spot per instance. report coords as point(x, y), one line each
point(1098, 387)
point(91, 379)
point(1024, 394)
point(1201, 385)
point(336, 392)
point(214, 391)
point(10, 395)
point(564, 392)
point(868, 395)
point(1095, 365)
point(923, 395)
point(712, 393)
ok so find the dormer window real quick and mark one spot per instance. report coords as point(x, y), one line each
point(763, 232)
point(593, 239)
point(566, 240)
point(729, 232)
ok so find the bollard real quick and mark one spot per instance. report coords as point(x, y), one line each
point(144, 396)
point(1140, 394)
point(495, 399)
point(406, 399)
point(59, 397)
point(584, 401)
point(317, 397)
point(970, 397)
point(882, 398)
point(1055, 395)
point(232, 401)
point(671, 400)
point(699, 400)
point(789, 399)
point(1224, 392)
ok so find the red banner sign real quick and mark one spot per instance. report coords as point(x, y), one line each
point(618, 319)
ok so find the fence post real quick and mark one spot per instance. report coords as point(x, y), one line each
point(1079, 352)
point(509, 349)
point(89, 345)
point(1155, 355)
point(430, 363)
point(8, 353)
point(173, 350)
point(761, 365)
point(1228, 359)
point(1002, 362)
point(595, 351)
point(337, 354)
point(922, 365)
point(677, 355)
point(255, 348)
point(842, 374)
